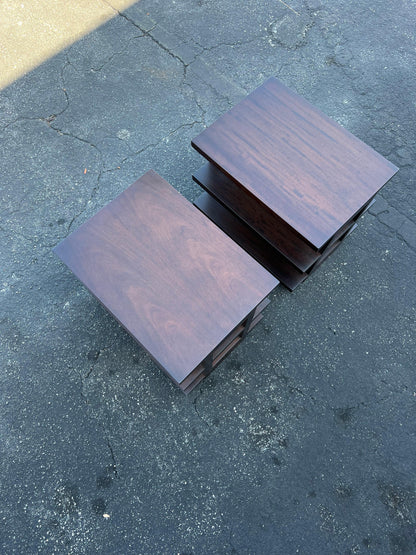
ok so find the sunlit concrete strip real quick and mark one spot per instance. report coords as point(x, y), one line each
point(32, 31)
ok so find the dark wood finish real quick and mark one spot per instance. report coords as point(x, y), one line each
point(250, 241)
point(173, 279)
point(264, 304)
point(332, 248)
point(255, 321)
point(308, 170)
point(194, 384)
point(188, 385)
point(192, 377)
point(227, 350)
point(348, 225)
point(224, 348)
point(224, 344)
point(258, 216)
point(257, 247)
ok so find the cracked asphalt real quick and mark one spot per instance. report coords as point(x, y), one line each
point(303, 440)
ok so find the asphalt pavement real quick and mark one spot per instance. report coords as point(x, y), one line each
point(303, 440)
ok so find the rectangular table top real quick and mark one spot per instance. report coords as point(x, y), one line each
point(311, 172)
point(170, 276)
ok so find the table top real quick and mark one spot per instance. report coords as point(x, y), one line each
point(310, 171)
point(171, 277)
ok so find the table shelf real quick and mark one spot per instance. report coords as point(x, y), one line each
point(183, 289)
point(285, 181)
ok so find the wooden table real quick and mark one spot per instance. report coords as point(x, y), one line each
point(179, 285)
point(285, 181)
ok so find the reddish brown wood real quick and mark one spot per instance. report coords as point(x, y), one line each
point(264, 304)
point(220, 357)
point(224, 344)
point(332, 248)
point(257, 247)
point(257, 216)
point(308, 170)
point(174, 280)
point(255, 321)
point(192, 385)
point(193, 378)
point(251, 241)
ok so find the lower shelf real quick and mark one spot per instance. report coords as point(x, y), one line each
point(257, 247)
point(258, 216)
point(225, 347)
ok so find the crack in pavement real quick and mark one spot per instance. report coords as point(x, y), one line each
point(392, 230)
point(52, 116)
point(17, 120)
point(92, 195)
point(194, 403)
point(97, 355)
point(148, 34)
point(64, 66)
point(6, 214)
point(100, 172)
point(22, 235)
point(107, 60)
point(361, 404)
point(113, 458)
point(186, 65)
point(99, 423)
point(153, 145)
point(232, 44)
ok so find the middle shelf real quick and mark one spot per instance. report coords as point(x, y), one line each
point(251, 224)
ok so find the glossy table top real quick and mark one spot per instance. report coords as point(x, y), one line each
point(173, 279)
point(311, 172)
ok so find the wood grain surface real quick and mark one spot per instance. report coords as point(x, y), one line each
point(252, 242)
point(172, 278)
point(310, 171)
point(201, 372)
point(258, 216)
point(257, 247)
